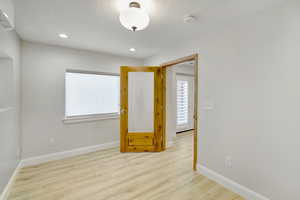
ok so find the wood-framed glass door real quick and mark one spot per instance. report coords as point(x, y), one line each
point(141, 109)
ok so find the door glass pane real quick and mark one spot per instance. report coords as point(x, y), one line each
point(141, 102)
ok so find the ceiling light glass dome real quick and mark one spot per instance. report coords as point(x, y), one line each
point(134, 18)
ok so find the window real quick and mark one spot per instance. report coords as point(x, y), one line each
point(91, 94)
point(182, 102)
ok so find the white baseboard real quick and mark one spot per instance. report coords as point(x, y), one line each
point(5, 193)
point(65, 154)
point(170, 143)
point(230, 184)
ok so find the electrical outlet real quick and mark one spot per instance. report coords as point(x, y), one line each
point(228, 161)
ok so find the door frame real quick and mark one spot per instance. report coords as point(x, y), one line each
point(193, 57)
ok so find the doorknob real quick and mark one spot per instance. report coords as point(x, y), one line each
point(122, 111)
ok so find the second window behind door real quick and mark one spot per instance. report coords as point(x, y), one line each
point(185, 102)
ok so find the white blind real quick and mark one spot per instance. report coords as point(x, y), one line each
point(88, 94)
point(182, 102)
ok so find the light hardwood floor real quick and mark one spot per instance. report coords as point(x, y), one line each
point(110, 175)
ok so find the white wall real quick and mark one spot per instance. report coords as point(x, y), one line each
point(170, 105)
point(249, 72)
point(185, 68)
point(9, 112)
point(43, 99)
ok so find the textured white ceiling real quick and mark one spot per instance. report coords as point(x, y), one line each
point(94, 24)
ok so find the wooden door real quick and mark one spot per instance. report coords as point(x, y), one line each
point(141, 109)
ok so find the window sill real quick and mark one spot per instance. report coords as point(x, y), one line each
point(90, 118)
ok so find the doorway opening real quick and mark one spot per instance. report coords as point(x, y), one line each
point(180, 100)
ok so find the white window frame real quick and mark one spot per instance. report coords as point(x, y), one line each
point(90, 117)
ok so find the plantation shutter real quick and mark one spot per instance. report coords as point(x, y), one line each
point(182, 102)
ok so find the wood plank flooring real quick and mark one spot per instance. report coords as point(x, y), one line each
point(110, 175)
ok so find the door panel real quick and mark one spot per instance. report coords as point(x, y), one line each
point(141, 139)
point(141, 109)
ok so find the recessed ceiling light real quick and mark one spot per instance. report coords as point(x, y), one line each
point(132, 49)
point(63, 35)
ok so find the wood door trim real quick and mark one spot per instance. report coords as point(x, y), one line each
point(139, 133)
point(140, 69)
point(195, 58)
point(180, 60)
point(124, 106)
point(158, 111)
point(140, 149)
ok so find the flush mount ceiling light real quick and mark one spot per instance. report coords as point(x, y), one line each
point(132, 49)
point(134, 18)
